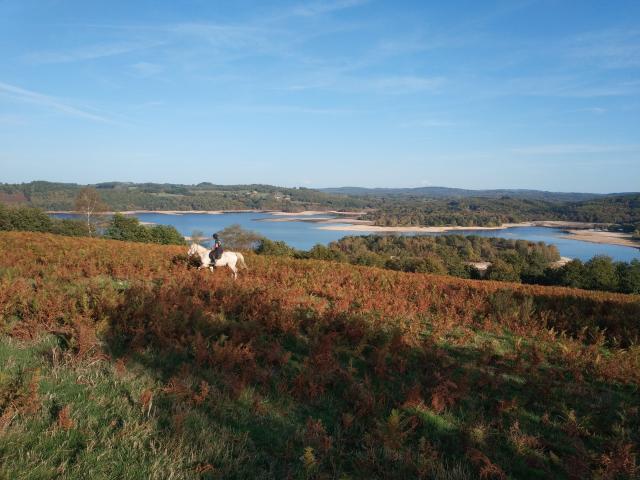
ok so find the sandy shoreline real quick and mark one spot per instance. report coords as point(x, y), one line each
point(313, 212)
point(601, 236)
point(574, 230)
point(369, 227)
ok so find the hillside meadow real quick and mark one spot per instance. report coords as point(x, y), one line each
point(121, 360)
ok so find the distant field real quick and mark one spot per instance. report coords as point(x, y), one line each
point(121, 361)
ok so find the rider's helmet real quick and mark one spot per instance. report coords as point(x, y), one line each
point(215, 235)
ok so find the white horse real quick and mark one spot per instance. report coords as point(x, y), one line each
point(227, 259)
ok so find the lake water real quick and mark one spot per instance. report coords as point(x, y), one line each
point(304, 235)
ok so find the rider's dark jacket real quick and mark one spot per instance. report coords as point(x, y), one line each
point(216, 251)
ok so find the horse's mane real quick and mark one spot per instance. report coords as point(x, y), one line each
point(199, 247)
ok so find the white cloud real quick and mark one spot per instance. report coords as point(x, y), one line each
point(320, 8)
point(614, 48)
point(29, 96)
point(89, 52)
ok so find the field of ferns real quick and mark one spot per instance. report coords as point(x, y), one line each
point(122, 360)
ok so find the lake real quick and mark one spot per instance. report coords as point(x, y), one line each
point(304, 235)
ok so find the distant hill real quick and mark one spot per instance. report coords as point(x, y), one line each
point(166, 196)
point(446, 192)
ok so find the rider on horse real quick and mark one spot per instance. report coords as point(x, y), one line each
point(216, 251)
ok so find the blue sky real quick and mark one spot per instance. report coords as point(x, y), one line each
point(538, 94)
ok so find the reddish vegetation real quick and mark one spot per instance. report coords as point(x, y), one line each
point(391, 349)
point(17, 197)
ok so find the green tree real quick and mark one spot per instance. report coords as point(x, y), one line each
point(89, 203)
point(322, 252)
point(573, 274)
point(600, 274)
point(126, 228)
point(69, 227)
point(628, 276)
point(502, 271)
point(277, 248)
point(236, 237)
point(165, 234)
point(198, 236)
point(24, 218)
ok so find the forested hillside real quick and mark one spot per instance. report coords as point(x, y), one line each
point(122, 196)
point(121, 361)
point(621, 210)
point(386, 209)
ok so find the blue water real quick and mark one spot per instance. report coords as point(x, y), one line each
point(304, 235)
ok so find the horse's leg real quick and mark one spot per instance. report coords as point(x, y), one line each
point(234, 270)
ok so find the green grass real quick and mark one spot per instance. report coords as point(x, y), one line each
point(114, 433)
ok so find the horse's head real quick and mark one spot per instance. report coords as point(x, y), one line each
point(193, 249)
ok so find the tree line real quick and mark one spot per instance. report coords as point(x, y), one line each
point(116, 227)
point(620, 211)
point(461, 256)
point(456, 255)
point(121, 196)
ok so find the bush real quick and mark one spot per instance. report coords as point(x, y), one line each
point(25, 219)
point(237, 238)
point(277, 248)
point(502, 271)
point(35, 220)
point(129, 229)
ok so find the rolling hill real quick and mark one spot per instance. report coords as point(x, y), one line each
point(120, 360)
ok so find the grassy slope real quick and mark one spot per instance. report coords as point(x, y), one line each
point(118, 361)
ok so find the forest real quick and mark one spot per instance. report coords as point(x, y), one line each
point(122, 196)
point(622, 212)
point(617, 212)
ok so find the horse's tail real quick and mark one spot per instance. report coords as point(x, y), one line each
point(241, 261)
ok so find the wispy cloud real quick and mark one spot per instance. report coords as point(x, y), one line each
point(12, 120)
point(146, 69)
point(292, 109)
point(89, 52)
point(613, 48)
point(335, 80)
point(405, 84)
point(595, 110)
point(320, 8)
point(46, 101)
point(573, 149)
point(568, 86)
point(428, 123)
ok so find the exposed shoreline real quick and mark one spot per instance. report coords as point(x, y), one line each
point(581, 231)
point(574, 230)
point(370, 227)
point(367, 226)
point(601, 236)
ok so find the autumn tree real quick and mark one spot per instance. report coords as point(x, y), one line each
point(88, 202)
